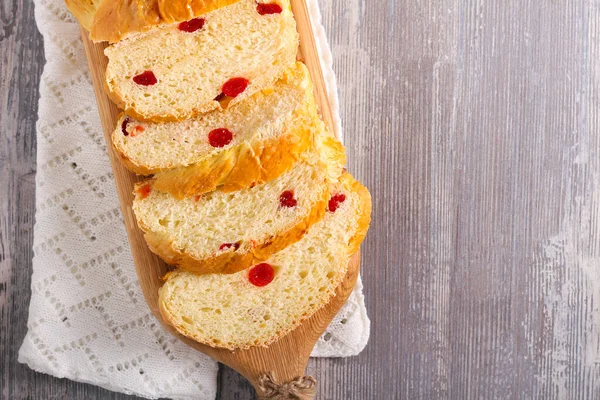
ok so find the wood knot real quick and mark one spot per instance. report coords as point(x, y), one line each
point(300, 388)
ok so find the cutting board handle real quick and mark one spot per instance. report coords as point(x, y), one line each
point(300, 388)
point(279, 371)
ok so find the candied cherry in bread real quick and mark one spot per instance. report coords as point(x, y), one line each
point(192, 25)
point(261, 274)
point(235, 86)
point(124, 126)
point(270, 8)
point(227, 246)
point(146, 78)
point(144, 191)
point(220, 137)
point(286, 199)
point(137, 130)
point(335, 201)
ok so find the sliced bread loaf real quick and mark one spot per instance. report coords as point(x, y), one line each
point(251, 143)
point(112, 20)
point(177, 71)
point(260, 305)
point(228, 232)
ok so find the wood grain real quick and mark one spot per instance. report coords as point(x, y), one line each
point(476, 126)
point(309, 55)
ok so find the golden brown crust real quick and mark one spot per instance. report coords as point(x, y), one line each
point(231, 262)
point(332, 152)
point(364, 218)
point(112, 20)
point(245, 165)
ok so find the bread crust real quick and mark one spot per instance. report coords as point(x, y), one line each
point(113, 20)
point(245, 165)
point(364, 219)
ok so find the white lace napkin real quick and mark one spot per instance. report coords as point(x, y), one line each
point(87, 319)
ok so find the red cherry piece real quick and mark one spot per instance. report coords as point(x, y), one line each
point(137, 130)
point(261, 274)
point(197, 198)
point(266, 9)
point(287, 199)
point(124, 126)
point(146, 78)
point(192, 25)
point(234, 86)
point(225, 246)
point(144, 191)
point(220, 137)
point(335, 201)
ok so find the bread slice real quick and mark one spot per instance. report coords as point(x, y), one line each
point(227, 232)
point(228, 311)
point(270, 131)
point(112, 20)
point(168, 74)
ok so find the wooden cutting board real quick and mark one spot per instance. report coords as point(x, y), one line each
point(287, 358)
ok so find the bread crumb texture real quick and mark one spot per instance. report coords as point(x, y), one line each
point(190, 232)
point(192, 67)
point(269, 133)
point(227, 311)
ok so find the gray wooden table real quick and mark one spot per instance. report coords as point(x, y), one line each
point(476, 125)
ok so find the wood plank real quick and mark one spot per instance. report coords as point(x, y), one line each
point(475, 125)
point(486, 247)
